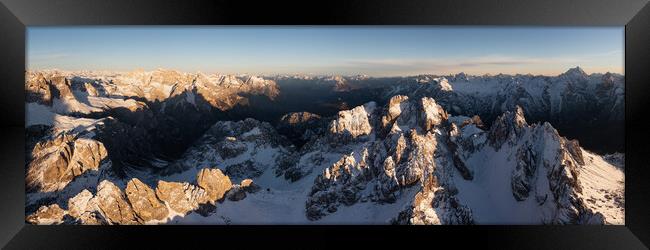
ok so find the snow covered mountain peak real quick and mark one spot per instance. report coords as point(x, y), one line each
point(460, 77)
point(408, 162)
point(576, 72)
point(402, 150)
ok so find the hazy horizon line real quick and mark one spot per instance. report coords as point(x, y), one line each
point(312, 74)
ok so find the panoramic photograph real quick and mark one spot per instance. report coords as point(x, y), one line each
point(307, 125)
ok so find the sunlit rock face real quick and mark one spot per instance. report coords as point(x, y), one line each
point(181, 197)
point(38, 89)
point(417, 148)
point(113, 205)
point(220, 91)
point(353, 123)
point(47, 215)
point(148, 116)
point(58, 160)
point(83, 208)
point(214, 182)
point(141, 204)
point(146, 205)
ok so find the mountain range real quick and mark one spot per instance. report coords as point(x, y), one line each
point(152, 147)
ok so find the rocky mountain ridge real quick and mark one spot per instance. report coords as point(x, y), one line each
point(140, 204)
point(410, 152)
point(408, 160)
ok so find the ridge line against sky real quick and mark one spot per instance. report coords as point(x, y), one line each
point(373, 51)
point(62, 71)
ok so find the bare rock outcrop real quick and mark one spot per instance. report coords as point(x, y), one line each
point(62, 88)
point(181, 197)
point(145, 204)
point(249, 186)
point(140, 204)
point(394, 109)
point(522, 176)
point(432, 114)
point(91, 90)
point(298, 118)
point(339, 184)
point(47, 215)
point(215, 183)
point(435, 205)
point(403, 114)
point(353, 123)
point(564, 182)
point(507, 127)
point(238, 192)
point(38, 89)
point(573, 147)
point(113, 204)
point(397, 158)
point(58, 161)
point(452, 145)
point(399, 115)
point(84, 209)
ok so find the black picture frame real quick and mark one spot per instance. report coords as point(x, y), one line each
point(15, 15)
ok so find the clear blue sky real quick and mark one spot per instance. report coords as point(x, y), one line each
point(375, 51)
